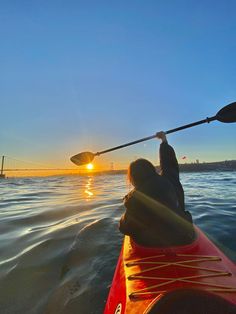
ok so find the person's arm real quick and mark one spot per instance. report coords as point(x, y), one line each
point(168, 161)
point(170, 167)
point(128, 223)
point(124, 225)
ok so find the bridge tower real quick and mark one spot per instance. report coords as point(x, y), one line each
point(2, 175)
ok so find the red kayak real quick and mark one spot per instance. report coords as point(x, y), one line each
point(196, 278)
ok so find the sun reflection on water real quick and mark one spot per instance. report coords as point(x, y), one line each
point(88, 191)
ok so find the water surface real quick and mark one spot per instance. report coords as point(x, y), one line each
point(59, 240)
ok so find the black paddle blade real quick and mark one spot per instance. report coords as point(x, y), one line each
point(82, 158)
point(227, 114)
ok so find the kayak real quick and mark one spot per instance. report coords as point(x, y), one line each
point(195, 278)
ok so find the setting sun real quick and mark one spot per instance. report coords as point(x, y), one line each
point(89, 166)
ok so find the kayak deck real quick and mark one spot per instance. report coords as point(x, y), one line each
point(144, 275)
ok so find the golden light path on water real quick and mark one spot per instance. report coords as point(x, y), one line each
point(88, 188)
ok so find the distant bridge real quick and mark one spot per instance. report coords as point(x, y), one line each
point(9, 164)
point(40, 169)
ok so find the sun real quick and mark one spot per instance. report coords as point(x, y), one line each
point(89, 166)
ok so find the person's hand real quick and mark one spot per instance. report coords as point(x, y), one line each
point(161, 135)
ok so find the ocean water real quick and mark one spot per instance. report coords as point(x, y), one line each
point(59, 240)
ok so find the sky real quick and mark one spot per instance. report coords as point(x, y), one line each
point(89, 75)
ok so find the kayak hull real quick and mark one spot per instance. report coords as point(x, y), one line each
point(144, 276)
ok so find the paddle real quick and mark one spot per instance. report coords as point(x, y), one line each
point(227, 115)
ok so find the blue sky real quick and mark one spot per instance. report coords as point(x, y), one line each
point(89, 75)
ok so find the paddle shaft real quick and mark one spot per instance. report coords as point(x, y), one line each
point(208, 120)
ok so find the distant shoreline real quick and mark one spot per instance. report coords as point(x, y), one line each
point(228, 165)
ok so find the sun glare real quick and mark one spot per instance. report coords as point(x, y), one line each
point(89, 166)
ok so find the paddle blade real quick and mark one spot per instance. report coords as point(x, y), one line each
point(227, 114)
point(82, 158)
